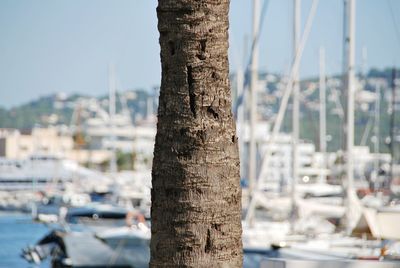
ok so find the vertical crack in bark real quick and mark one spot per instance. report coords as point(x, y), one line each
point(171, 46)
point(190, 81)
point(213, 109)
point(207, 248)
point(202, 53)
point(213, 112)
point(203, 45)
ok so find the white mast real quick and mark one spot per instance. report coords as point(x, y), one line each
point(239, 92)
point(282, 107)
point(350, 94)
point(111, 107)
point(376, 126)
point(322, 109)
point(296, 106)
point(253, 96)
point(350, 105)
point(240, 126)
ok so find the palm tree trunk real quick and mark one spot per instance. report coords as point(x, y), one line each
point(196, 195)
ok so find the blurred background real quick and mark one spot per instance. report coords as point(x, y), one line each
point(315, 92)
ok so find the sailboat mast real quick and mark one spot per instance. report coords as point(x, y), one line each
point(392, 129)
point(343, 95)
point(240, 111)
point(376, 126)
point(350, 101)
point(283, 104)
point(322, 109)
point(296, 106)
point(111, 107)
point(253, 96)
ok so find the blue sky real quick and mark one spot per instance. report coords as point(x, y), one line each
point(48, 46)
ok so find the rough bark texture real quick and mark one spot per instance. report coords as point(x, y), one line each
point(196, 195)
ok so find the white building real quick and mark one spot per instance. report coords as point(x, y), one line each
point(21, 144)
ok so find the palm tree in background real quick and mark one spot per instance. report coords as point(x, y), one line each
point(196, 195)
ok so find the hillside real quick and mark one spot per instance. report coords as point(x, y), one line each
point(58, 109)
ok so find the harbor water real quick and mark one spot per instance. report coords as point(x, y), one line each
point(16, 232)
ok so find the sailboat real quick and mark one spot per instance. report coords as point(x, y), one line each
point(380, 217)
point(276, 227)
point(295, 234)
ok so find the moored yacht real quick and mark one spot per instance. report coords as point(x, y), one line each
point(40, 172)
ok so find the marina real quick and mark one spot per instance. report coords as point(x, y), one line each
point(319, 166)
